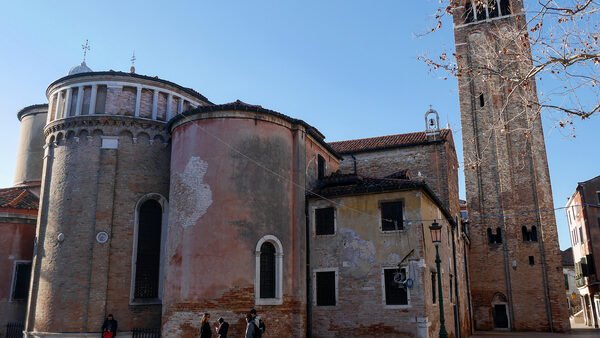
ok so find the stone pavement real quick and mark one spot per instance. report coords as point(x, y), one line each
point(577, 330)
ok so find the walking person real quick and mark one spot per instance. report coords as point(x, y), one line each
point(109, 327)
point(205, 330)
point(251, 328)
point(260, 324)
point(222, 327)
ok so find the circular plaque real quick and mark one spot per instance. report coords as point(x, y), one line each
point(102, 237)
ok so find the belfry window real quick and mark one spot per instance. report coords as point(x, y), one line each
point(480, 10)
point(494, 238)
point(147, 264)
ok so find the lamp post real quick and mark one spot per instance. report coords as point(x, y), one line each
point(436, 238)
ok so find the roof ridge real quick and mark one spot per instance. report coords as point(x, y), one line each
point(17, 199)
point(384, 136)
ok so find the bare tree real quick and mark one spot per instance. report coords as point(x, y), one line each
point(558, 47)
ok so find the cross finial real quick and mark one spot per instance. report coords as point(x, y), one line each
point(132, 68)
point(85, 48)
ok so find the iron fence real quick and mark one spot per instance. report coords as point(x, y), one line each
point(145, 333)
point(14, 329)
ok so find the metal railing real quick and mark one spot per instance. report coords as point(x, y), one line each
point(145, 333)
point(14, 329)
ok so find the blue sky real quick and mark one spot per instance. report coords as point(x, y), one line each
point(348, 68)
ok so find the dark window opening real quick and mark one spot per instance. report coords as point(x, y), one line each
point(451, 288)
point(492, 9)
point(394, 293)
point(267, 271)
point(525, 233)
point(325, 284)
point(147, 267)
point(531, 260)
point(433, 287)
point(566, 281)
point(325, 221)
point(468, 14)
point(590, 264)
point(533, 234)
point(391, 216)
point(320, 167)
point(479, 11)
point(21, 283)
point(494, 238)
point(504, 7)
point(481, 100)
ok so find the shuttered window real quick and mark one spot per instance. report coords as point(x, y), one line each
point(325, 284)
point(391, 216)
point(267, 270)
point(324, 221)
point(394, 294)
point(147, 267)
point(21, 281)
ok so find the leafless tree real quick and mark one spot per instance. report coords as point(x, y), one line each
point(558, 47)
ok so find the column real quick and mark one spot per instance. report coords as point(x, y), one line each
point(92, 110)
point(155, 105)
point(180, 106)
point(79, 101)
point(138, 101)
point(51, 108)
point(67, 110)
point(169, 109)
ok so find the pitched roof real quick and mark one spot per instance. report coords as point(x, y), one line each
point(386, 142)
point(337, 185)
point(18, 198)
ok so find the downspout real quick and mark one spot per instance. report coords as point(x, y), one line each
point(308, 274)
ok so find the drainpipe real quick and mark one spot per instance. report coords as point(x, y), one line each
point(308, 274)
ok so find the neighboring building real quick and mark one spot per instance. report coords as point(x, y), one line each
point(583, 216)
point(372, 258)
point(18, 216)
point(515, 263)
point(571, 290)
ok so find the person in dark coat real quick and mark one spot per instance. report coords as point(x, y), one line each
point(109, 327)
point(250, 327)
point(205, 330)
point(222, 327)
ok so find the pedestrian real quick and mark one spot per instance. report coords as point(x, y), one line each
point(109, 327)
point(222, 327)
point(205, 330)
point(260, 324)
point(250, 327)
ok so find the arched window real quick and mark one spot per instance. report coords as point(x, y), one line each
point(269, 271)
point(534, 236)
point(498, 235)
point(491, 237)
point(147, 253)
point(525, 233)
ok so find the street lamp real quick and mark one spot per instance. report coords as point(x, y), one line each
point(436, 238)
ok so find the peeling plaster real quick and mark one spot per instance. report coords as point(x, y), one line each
point(192, 196)
point(357, 253)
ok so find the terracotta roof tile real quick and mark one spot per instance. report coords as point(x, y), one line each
point(385, 142)
point(18, 198)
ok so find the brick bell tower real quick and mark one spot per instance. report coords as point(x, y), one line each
point(516, 271)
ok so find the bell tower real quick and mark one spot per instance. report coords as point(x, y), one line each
point(515, 266)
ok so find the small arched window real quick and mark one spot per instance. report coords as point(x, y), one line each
point(525, 233)
point(490, 236)
point(498, 235)
point(269, 271)
point(534, 235)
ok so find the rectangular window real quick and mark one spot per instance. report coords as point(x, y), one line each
point(21, 277)
point(395, 292)
point(391, 216)
point(325, 221)
point(566, 281)
point(325, 288)
point(580, 234)
point(451, 289)
point(531, 260)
